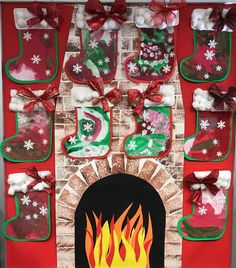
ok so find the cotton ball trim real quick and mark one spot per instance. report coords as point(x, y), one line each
point(202, 100)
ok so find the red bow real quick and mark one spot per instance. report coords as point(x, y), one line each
point(49, 93)
point(164, 12)
point(136, 98)
point(220, 21)
point(49, 179)
point(95, 7)
point(223, 98)
point(51, 14)
point(208, 181)
point(113, 96)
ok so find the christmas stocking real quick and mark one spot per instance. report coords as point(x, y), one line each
point(31, 191)
point(155, 59)
point(212, 45)
point(152, 106)
point(93, 121)
point(213, 137)
point(34, 116)
point(98, 26)
point(37, 61)
point(210, 205)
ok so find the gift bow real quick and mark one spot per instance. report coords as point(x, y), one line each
point(136, 98)
point(51, 14)
point(33, 173)
point(50, 93)
point(113, 96)
point(208, 181)
point(164, 12)
point(220, 21)
point(95, 7)
point(223, 98)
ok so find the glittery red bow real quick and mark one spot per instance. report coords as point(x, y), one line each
point(220, 21)
point(113, 96)
point(136, 98)
point(50, 93)
point(51, 14)
point(208, 181)
point(223, 98)
point(164, 12)
point(95, 7)
point(49, 179)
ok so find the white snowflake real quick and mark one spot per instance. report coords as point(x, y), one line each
point(209, 54)
point(219, 154)
point(43, 211)
point(163, 148)
point(106, 72)
point(199, 67)
point(72, 140)
point(100, 62)
point(212, 43)
point(48, 72)
point(77, 68)
point(25, 200)
point(45, 36)
point(218, 68)
point(35, 59)
point(204, 124)
point(22, 118)
point(166, 68)
point(40, 131)
point(170, 39)
point(35, 203)
point(8, 149)
point(202, 210)
point(204, 151)
point(107, 60)
point(87, 127)
point(132, 67)
point(29, 145)
point(27, 36)
point(93, 44)
point(221, 124)
point(215, 141)
point(172, 54)
point(132, 145)
point(206, 76)
point(27, 217)
point(44, 141)
point(35, 216)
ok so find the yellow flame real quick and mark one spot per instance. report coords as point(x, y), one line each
point(117, 247)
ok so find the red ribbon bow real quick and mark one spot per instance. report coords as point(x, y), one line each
point(220, 21)
point(95, 7)
point(50, 93)
point(223, 98)
point(49, 179)
point(51, 14)
point(208, 181)
point(136, 98)
point(164, 12)
point(113, 96)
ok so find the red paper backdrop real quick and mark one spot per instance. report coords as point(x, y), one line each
point(208, 254)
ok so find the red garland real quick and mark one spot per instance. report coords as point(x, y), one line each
point(136, 98)
point(223, 98)
point(113, 96)
point(95, 7)
point(164, 12)
point(208, 181)
point(51, 14)
point(50, 93)
point(220, 21)
point(49, 179)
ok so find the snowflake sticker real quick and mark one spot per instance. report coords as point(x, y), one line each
point(206, 76)
point(166, 68)
point(221, 124)
point(44, 141)
point(212, 43)
point(132, 145)
point(43, 211)
point(209, 54)
point(35, 59)
point(22, 118)
point(27, 217)
point(93, 44)
point(35, 216)
point(204, 124)
point(204, 151)
point(27, 36)
point(107, 60)
point(47, 72)
point(25, 200)
point(218, 68)
point(40, 131)
point(215, 141)
point(72, 140)
point(46, 36)
point(202, 211)
point(100, 62)
point(77, 68)
point(106, 72)
point(163, 148)
point(8, 149)
point(219, 154)
point(35, 204)
point(87, 127)
point(29, 145)
point(132, 67)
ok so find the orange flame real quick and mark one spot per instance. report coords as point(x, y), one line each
point(117, 247)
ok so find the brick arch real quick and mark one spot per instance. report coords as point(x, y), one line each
point(150, 170)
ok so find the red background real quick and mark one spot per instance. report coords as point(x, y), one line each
point(207, 254)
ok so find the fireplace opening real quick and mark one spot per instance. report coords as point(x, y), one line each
point(120, 222)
